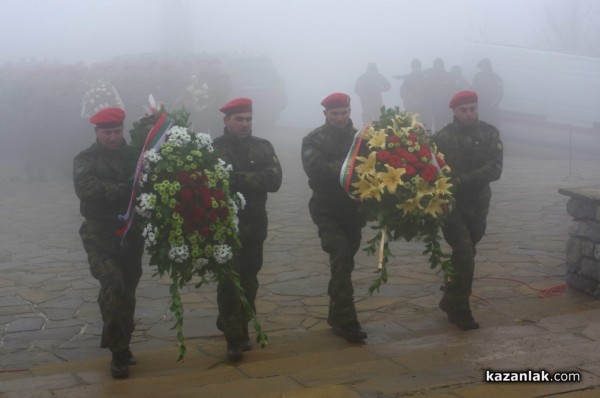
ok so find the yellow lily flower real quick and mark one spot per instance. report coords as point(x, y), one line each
point(424, 188)
point(435, 207)
point(367, 188)
point(368, 164)
point(410, 206)
point(368, 133)
point(391, 179)
point(378, 140)
point(442, 186)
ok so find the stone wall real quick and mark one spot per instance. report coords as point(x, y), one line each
point(583, 245)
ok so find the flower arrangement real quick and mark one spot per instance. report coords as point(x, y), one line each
point(403, 184)
point(190, 223)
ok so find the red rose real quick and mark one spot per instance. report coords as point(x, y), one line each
point(411, 157)
point(424, 152)
point(420, 166)
point(213, 216)
point(383, 156)
point(401, 151)
point(187, 195)
point(185, 178)
point(218, 194)
point(223, 212)
point(204, 231)
point(205, 196)
point(410, 171)
point(429, 173)
point(412, 138)
point(395, 161)
point(199, 215)
point(393, 139)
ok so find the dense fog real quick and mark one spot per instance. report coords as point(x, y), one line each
point(296, 52)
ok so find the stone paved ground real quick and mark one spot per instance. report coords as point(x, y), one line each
point(49, 315)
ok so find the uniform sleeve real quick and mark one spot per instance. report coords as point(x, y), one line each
point(490, 170)
point(268, 179)
point(317, 166)
point(89, 186)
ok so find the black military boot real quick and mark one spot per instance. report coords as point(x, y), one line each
point(130, 358)
point(246, 344)
point(234, 351)
point(351, 331)
point(463, 319)
point(459, 317)
point(119, 367)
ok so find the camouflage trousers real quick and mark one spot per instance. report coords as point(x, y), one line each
point(246, 263)
point(118, 269)
point(462, 230)
point(340, 230)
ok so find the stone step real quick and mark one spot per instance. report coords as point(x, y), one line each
point(318, 364)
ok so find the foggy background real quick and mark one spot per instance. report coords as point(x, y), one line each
point(321, 46)
point(317, 46)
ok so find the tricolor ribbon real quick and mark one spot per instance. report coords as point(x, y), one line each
point(347, 171)
point(155, 138)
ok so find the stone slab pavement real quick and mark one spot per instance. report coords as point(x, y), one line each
point(49, 315)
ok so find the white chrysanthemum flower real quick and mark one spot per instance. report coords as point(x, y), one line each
point(201, 262)
point(149, 234)
point(179, 136)
point(242, 200)
point(204, 142)
point(179, 253)
point(146, 203)
point(152, 156)
point(222, 169)
point(236, 224)
point(222, 253)
point(233, 205)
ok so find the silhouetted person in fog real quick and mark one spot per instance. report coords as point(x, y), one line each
point(413, 90)
point(439, 89)
point(369, 87)
point(458, 80)
point(490, 89)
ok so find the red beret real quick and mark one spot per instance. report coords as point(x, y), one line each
point(336, 100)
point(238, 105)
point(463, 97)
point(108, 118)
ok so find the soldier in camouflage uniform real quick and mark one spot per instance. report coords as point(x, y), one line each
point(334, 212)
point(473, 150)
point(256, 171)
point(103, 176)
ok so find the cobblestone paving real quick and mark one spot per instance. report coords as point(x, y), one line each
point(48, 309)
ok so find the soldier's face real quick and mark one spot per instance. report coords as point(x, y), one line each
point(337, 117)
point(239, 124)
point(110, 138)
point(466, 113)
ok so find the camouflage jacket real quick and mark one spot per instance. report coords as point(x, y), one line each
point(474, 153)
point(103, 180)
point(323, 153)
point(256, 171)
